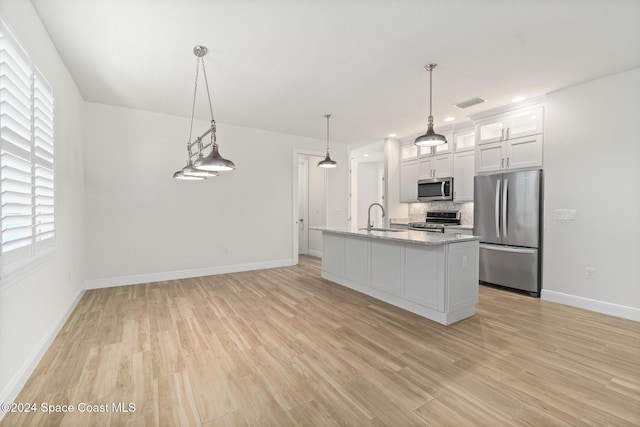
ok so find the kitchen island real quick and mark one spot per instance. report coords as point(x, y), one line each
point(434, 275)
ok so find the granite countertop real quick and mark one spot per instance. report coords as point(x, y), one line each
point(460, 227)
point(410, 236)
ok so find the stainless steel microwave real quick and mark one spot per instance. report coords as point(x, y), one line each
point(433, 189)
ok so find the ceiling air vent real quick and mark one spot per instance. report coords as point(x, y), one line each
point(470, 102)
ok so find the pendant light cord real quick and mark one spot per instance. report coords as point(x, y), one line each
point(193, 106)
point(328, 116)
point(430, 91)
point(206, 83)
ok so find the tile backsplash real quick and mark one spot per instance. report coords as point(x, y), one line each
point(417, 211)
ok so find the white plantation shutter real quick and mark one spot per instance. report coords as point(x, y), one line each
point(43, 159)
point(26, 155)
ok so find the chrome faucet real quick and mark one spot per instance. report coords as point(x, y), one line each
point(369, 224)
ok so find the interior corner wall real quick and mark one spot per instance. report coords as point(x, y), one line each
point(591, 157)
point(33, 309)
point(143, 225)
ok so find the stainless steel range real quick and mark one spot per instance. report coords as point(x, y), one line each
point(436, 221)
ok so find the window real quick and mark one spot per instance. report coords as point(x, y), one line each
point(27, 199)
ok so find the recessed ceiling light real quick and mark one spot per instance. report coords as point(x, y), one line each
point(518, 99)
point(449, 119)
point(365, 155)
point(391, 135)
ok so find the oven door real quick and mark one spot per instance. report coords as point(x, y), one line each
point(435, 189)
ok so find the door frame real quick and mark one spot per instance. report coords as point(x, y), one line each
point(303, 164)
point(297, 152)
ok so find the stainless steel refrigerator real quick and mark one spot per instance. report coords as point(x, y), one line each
point(508, 215)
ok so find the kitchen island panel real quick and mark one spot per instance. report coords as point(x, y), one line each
point(357, 259)
point(424, 275)
point(333, 253)
point(386, 263)
point(433, 277)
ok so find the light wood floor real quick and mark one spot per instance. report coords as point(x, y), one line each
point(284, 347)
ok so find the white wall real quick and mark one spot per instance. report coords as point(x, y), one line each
point(392, 172)
point(33, 309)
point(592, 165)
point(142, 224)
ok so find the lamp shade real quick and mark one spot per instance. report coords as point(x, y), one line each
point(327, 162)
point(189, 170)
point(214, 162)
point(181, 176)
point(430, 138)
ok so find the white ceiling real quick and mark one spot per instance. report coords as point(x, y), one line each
point(280, 65)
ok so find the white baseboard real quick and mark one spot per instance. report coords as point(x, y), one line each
point(625, 312)
point(19, 379)
point(183, 274)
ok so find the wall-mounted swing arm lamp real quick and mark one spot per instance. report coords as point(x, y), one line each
point(430, 138)
point(209, 165)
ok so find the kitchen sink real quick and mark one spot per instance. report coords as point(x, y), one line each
point(385, 229)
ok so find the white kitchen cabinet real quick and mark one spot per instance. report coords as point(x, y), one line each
point(464, 140)
point(425, 269)
point(523, 122)
point(408, 152)
point(386, 266)
point(409, 181)
point(513, 153)
point(436, 166)
point(463, 173)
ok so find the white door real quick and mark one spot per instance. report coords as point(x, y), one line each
point(303, 206)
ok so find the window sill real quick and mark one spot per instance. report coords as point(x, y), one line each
point(18, 271)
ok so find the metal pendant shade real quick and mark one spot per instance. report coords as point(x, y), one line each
point(204, 166)
point(430, 138)
point(214, 162)
point(327, 162)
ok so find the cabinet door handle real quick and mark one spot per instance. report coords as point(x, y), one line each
point(508, 132)
point(502, 135)
point(507, 162)
point(502, 163)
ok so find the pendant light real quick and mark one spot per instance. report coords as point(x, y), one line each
point(327, 162)
point(204, 166)
point(430, 138)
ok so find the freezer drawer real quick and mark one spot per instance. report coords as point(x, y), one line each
point(510, 266)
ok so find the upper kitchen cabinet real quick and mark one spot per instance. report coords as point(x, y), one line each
point(509, 138)
point(464, 139)
point(408, 152)
point(440, 166)
point(409, 181)
point(525, 122)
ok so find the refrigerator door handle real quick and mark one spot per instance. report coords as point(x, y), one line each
point(505, 204)
point(497, 211)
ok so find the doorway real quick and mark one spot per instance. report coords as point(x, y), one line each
point(310, 204)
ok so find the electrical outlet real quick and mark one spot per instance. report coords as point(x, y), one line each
point(565, 214)
point(590, 273)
